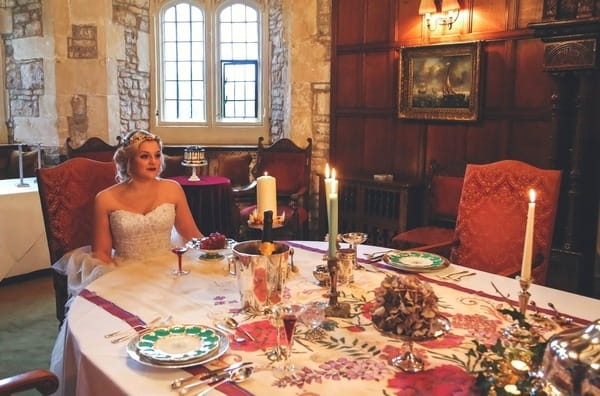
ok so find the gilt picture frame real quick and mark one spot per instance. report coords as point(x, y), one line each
point(441, 82)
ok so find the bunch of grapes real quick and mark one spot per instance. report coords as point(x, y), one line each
point(214, 241)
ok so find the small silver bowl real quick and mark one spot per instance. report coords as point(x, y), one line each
point(321, 274)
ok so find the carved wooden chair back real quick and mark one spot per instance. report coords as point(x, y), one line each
point(67, 193)
point(44, 381)
point(490, 227)
point(93, 148)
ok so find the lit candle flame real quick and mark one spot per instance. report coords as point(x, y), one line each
point(333, 173)
point(327, 171)
point(532, 195)
point(266, 173)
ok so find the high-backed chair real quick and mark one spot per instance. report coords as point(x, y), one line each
point(490, 227)
point(67, 193)
point(44, 381)
point(290, 166)
point(444, 185)
point(93, 148)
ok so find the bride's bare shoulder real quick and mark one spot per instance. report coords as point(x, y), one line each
point(109, 193)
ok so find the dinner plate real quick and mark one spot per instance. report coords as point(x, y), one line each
point(177, 343)
point(440, 326)
point(222, 347)
point(415, 261)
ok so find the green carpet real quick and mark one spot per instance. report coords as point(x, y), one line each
point(28, 326)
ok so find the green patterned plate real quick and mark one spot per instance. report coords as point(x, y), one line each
point(414, 261)
point(177, 343)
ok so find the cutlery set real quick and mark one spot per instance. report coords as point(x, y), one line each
point(123, 335)
point(236, 372)
point(456, 276)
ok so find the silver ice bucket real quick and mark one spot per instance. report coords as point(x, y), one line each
point(261, 279)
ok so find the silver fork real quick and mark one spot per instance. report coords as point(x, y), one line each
point(135, 331)
point(136, 327)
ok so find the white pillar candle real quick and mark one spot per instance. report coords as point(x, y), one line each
point(266, 194)
point(528, 245)
point(39, 155)
point(327, 190)
point(333, 215)
point(21, 162)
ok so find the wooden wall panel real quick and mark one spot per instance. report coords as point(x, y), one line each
point(349, 144)
point(497, 91)
point(486, 142)
point(530, 141)
point(446, 145)
point(529, 11)
point(489, 15)
point(379, 80)
point(348, 81)
point(350, 22)
point(379, 17)
point(407, 150)
point(408, 21)
point(377, 154)
point(533, 86)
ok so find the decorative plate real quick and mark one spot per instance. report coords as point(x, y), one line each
point(211, 254)
point(414, 261)
point(441, 326)
point(178, 343)
point(133, 352)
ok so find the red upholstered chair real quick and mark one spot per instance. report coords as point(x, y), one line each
point(490, 227)
point(44, 381)
point(93, 148)
point(290, 166)
point(67, 193)
point(441, 208)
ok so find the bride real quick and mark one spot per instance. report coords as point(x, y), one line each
point(133, 220)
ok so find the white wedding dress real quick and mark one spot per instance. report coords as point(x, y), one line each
point(136, 237)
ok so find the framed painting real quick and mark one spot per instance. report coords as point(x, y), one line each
point(440, 82)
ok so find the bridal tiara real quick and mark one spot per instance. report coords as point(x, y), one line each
point(138, 137)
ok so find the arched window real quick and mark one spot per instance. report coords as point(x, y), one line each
point(210, 84)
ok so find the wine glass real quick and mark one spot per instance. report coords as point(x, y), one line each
point(313, 314)
point(355, 239)
point(286, 316)
point(179, 251)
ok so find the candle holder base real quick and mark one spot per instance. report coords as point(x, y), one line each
point(22, 184)
point(516, 335)
point(341, 310)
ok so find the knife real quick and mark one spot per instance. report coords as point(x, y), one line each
point(203, 378)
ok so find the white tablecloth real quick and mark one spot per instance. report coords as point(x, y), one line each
point(23, 245)
point(94, 366)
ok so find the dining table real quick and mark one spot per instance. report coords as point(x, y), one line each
point(211, 201)
point(23, 243)
point(344, 355)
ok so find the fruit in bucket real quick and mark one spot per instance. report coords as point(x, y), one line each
point(214, 241)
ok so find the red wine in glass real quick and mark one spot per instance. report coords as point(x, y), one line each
point(179, 251)
point(289, 324)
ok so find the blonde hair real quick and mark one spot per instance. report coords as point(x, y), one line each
point(129, 148)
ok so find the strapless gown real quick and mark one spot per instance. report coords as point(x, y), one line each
point(136, 237)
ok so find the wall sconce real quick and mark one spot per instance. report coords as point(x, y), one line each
point(440, 12)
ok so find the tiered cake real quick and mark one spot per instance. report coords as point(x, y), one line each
point(194, 156)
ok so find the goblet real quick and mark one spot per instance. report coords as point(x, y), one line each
point(286, 316)
point(313, 314)
point(355, 239)
point(179, 251)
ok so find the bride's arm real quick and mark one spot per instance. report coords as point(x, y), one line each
point(102, 242)
point(184, 221)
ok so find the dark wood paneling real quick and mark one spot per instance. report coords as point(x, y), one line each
point(408, 22)
point(379, 19)
point(379, 80)
point(490, 16)
point(533, 86)
point(349, 144)
point(530, 141)
point(407, 150)
point(377, 140)
point(496, 90)
point(348, 80)
point(349, 22)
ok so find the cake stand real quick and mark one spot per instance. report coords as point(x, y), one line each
point(194, 176)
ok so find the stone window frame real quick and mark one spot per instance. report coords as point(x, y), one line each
point(211, 132)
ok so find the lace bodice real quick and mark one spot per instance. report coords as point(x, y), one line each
point(138, 236)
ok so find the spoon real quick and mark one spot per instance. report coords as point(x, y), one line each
point(237, 375)
point(232, 323)
point(560, 318)
point(227, 330)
